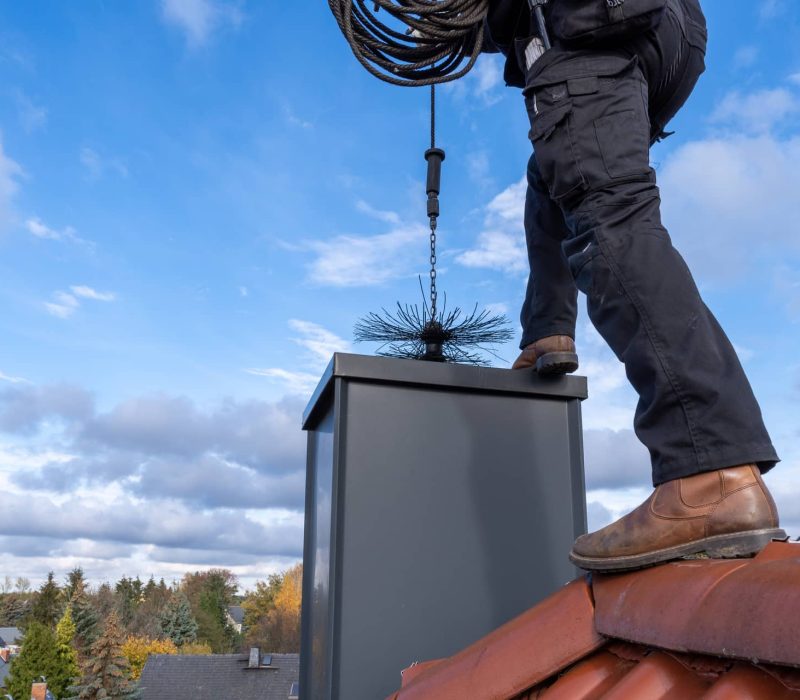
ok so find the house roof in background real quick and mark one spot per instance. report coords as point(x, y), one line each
point(237, 613)
point(708, 629)
point(217, 676)
point(5, 668)
point(10, 635)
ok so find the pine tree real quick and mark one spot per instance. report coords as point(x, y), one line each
point(68, 670)
point(177, 621)
point(75, 580)
point(38, 657)
point(47, 607)
point(106, 675)
point(86, 621)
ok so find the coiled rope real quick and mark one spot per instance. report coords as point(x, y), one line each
point(440, 36)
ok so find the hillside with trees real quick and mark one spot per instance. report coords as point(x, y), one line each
point(92, 642)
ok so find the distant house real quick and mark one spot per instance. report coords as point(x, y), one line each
point(5, 666)
point(216, 676)
point(9, 636)
point(236, 617)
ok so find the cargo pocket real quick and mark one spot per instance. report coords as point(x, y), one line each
point(555, 150)
point(623, 139)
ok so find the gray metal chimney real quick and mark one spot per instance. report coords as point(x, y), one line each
point(441, 501)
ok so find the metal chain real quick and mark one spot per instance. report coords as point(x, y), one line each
point(433, 218)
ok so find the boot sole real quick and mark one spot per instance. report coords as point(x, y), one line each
point(732, 546)
point(557, 363)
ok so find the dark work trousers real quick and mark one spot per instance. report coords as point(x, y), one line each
point(593, 224)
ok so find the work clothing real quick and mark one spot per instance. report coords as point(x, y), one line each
point(725, 513)
point(592, 222)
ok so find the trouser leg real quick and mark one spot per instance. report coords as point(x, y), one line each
point(696, 410)
point(550, 306)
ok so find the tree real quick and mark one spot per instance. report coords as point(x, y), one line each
point(278, 629)
point(129, 594)
point(210, 593)
point(196, 648)
point(177, 621)
point(259, 603)
point(47, 606)
point(146, 621)
point(68, 670)
point(86, 620)
point(13, 609)
point(137, 649)
point(75, 580)
point(38, 657)
point(106, 675)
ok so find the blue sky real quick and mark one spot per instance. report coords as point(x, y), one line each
point(199, 198)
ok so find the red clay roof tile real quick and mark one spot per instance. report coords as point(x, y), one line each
point(748, 683)
point(658, 677)
point(715, 609)
point(518, 655)
point(734, 609)
point(589, 679)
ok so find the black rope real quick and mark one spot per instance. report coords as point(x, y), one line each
point(433, 116)
point(439, 36)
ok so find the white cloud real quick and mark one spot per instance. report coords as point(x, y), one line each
point(318, 341)
point(769, 9)
point(390, 217)
point(478, 168)
point(9, 172)
point(14, 380)
point(501, 245)
point(295, 382)
point(364, 261)
point(89, 293)
point(756, 112)
point(489, 75)
point(36, 227)
point(729, 195)
point(484, 82)
point(31, 116)
point(63, 305)
point(98, 165)
point(497, 250)
point(243, 291)
point(198, 19)
point(745, 56)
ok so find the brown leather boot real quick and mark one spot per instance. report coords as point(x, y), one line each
point(722, 514)
point(554, 354)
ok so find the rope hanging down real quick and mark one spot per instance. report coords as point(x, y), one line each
point(440, 36)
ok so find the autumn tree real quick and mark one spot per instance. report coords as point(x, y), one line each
point(146, 620)
point(48, 604)
point(106, 675)
point(68, 670)
point(137, 649)
point(196, 649)
point(259, 603)
point(38, 657)
point(277, 630)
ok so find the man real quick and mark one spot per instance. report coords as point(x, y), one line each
point(593, 224)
